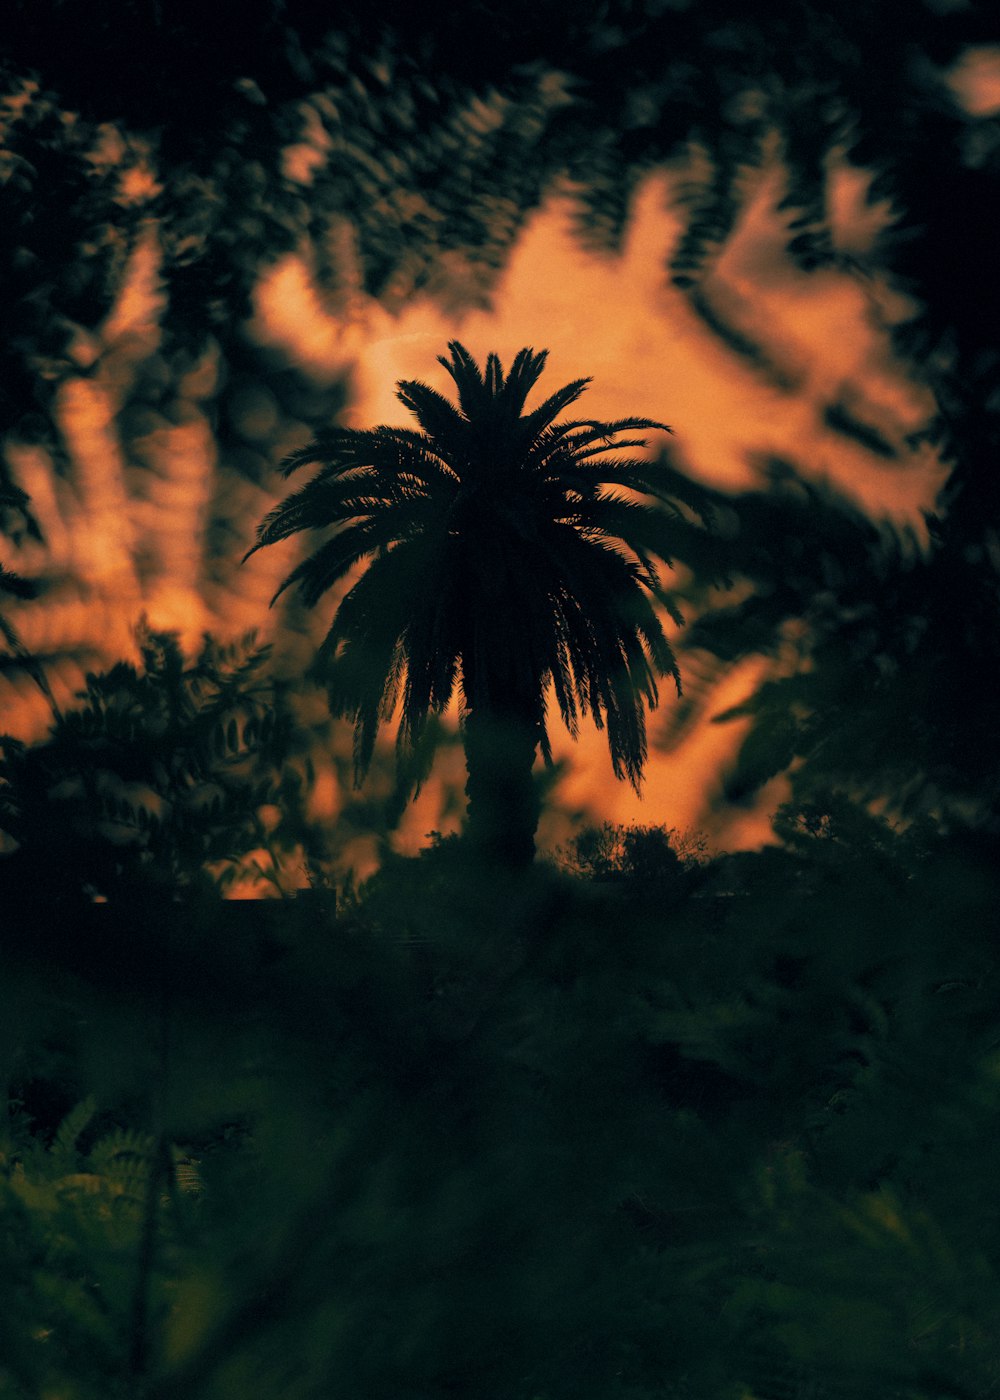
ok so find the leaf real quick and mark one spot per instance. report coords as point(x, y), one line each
point(63, 1152)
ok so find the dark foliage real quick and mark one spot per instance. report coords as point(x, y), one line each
point(740, 1144)
point(883, 652)
point(153, 780)
point(441, 131)
point(526, 1138)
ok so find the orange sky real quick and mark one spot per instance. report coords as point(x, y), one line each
point(613, 318)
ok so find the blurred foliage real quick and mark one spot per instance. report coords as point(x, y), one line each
point(400, 152)
point(156, 778)
point(77, 1216)
point(882, 655)
point(424, 138)
point(16, 519)
point(739, 1144)
point(551, 1137)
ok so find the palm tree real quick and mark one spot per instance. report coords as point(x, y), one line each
point(498, 565)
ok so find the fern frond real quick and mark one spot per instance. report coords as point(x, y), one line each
point(64, 1154)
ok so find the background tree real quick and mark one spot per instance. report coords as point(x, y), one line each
point(500, 564)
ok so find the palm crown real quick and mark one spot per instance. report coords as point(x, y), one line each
point(506, 561)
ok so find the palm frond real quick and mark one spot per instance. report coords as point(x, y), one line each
point(322, 503)
point(524, 375)
point(364, 654)
point(411, 453)
point(318, 572)
point(339, 448)
point(440, 420)
point(473, 391)
point(543, 415)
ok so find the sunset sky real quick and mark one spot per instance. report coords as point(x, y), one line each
point(125, 541)
point(618, 320)
point(361, 1030)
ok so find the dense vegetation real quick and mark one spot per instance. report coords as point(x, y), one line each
point(638, 1122)
point(648, 1126)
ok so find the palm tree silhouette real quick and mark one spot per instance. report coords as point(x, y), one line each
point(500, 566)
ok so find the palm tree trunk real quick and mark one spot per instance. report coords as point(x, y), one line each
point(503, 805)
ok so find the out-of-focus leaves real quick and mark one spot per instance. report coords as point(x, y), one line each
point(429, 141)
point(14, 655)
point(151, 779)
point(537, 1139)
point(418, 149)
point(882, 654)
